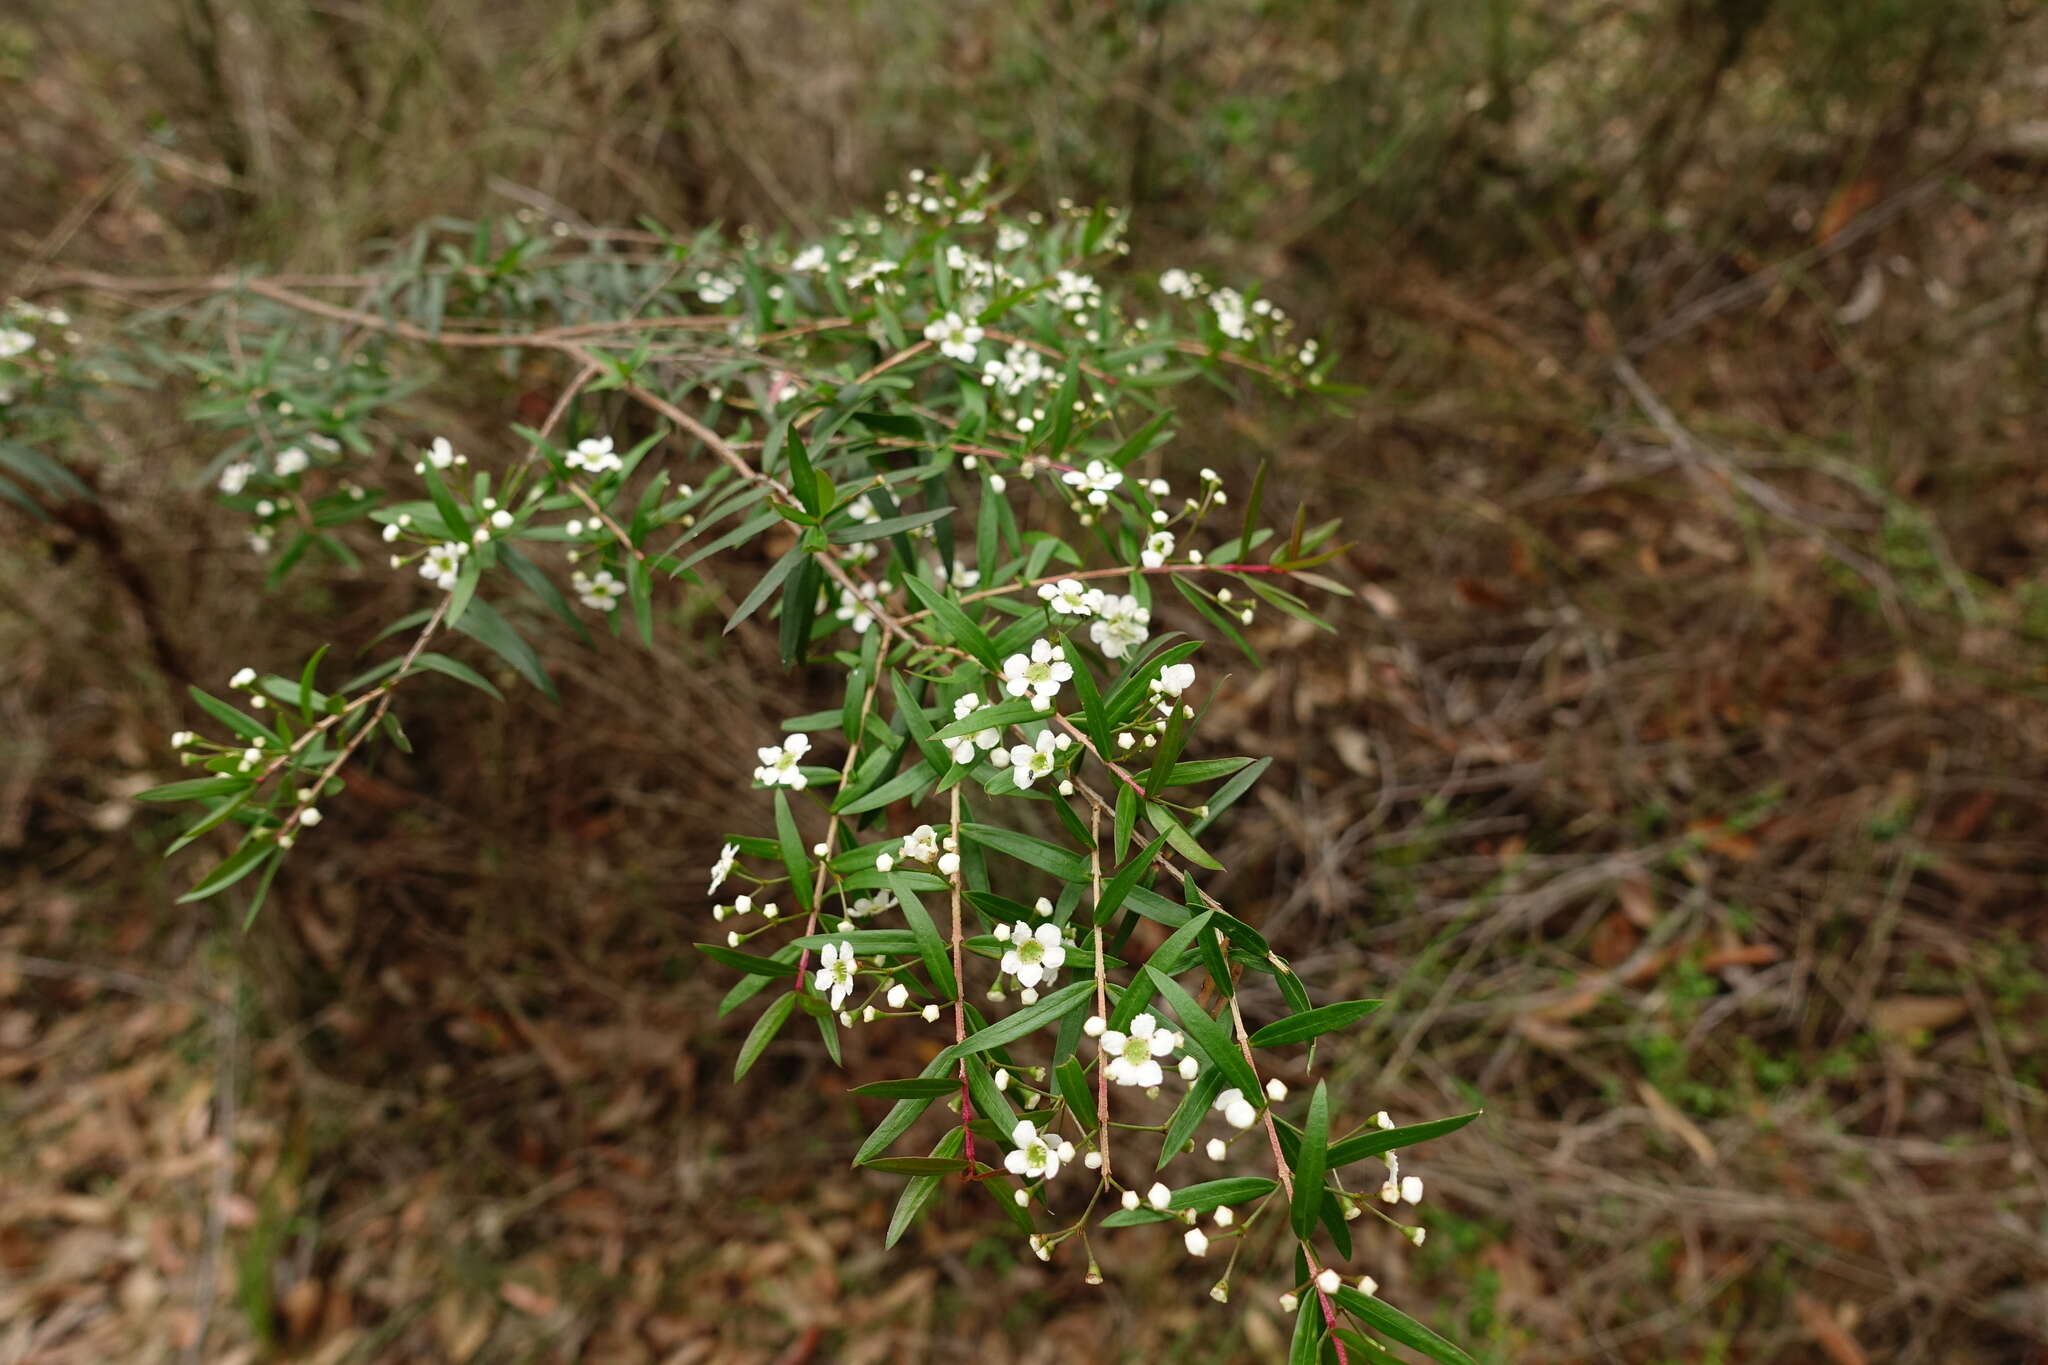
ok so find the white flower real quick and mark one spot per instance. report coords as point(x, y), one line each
point(1010, 237)
point(713, 289)
point(1158, 549)
point(1121, 625)
point(810, 258)
point(1229, 308)
point(235, 476)
point(1174, 679)
point(1039, 674)
point(1217, 1149)
point(963, 747)
point(1197, 1242)
point(921, 845)
point(1133, 1057)
point(835, 976)
point(1034, 1156)
point(1159, 1196)
point(1068, 597)
point(13, 342)
point(1237, 1110)
point(956, 338)
point(442, 564)
point(1411, 1189)
point(291, 460)
point(1031, 762)
point(441, 455)
point(1189, 1068)
point(721, 869)
point(1097, 480)
point(182, 738)
point(899, 996)
point(594, 456)
point(600, 591)
point(1288, 1303)
point(1035, 954)
point(865, 907)
point(779, 765)
point(243, 677)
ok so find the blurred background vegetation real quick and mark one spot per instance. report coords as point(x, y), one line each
point(1679, 777)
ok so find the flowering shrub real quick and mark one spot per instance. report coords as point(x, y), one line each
point(953, 435)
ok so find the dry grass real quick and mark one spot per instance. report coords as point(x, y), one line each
point(1678, 777)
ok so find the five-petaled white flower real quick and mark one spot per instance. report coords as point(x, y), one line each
point(443, 564)
point(441, 455)
point(1038, 674)
point(1097, 480)
point(810, 258)
point(1121, 625)
point(235, 476)
point(1237, 1110)
point(835, 976)
point(722, 869)
point(1174, 679)
point(14, 341)
point(921, 845)
point(594, 456)
point(779, 765)
point(1158, 549)
point(1030, 762)
point(956, 337)
point(1035, 955)
point(1035, 1156)
point(1134, 1057)
point(963, 746)
point(600, 591)
point(291, 460)
point(1069, 597)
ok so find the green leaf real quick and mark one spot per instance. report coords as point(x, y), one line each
point(746, 962)
point(1131, 1218)
point(1014, 712)
point(1074, 1089)
point(1227, 795)
point(461, 672)
point(196, 789)
point(1194, 1107)
point(919, 1193)
point(1391, 1322)
point(1207, 1036)
point(930, 946)
point(856, 532)
point(917, 1165)
point(905, 784)
point(483, 624)
point(1310, 1164)
point(1306, 1348)
point(1024, 1021)
point(763, 1033)
point(1376, 1142)
point(1299, 1028)
point(1063, 863)
point(951, 625)
point(915, 1087)
point(1210, 1194)
point(466, 579)
point(1119, 886)
point(799, 612)
point(241, 722)
point(763, 590)
point(237, 865)
point(791, 845)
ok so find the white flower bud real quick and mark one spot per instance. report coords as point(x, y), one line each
point(867, 1014)
point(1368, 1286)
point(1023, 1198)
point(1240, 1114)
point(1002, 1080)
point(884, 862)
point(1002, 932)
point(899, 996)
point(1197, 1242)
point(931, 1014)
point(1130, 1199)
point(243, 677)
point(1328, 1281)
point(1416, 1235)
point(1189, 1068)
point(1217, 1149)
point(732, 938)
point(1276, 1090)
point(1093, 1161)
point(1382, 1121)
point(1288, 1303)
point(311, 817)
point(1411, 1188)
point(1225, 1216)
point(1094, 1025)
point(949, 863)
point(1029, 995)
point(1159, 1196)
